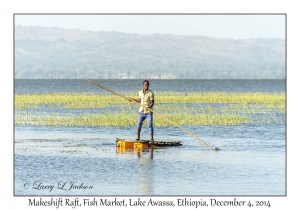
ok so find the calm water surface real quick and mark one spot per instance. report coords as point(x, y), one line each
point(251, 160)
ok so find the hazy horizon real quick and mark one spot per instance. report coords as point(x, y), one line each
point(214, 26)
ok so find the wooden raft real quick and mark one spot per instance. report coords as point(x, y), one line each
point(130, 144)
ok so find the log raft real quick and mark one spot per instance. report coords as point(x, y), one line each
point(130, 144)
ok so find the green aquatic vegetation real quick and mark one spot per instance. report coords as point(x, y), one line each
point(193, 108)
point(223, 97)
point(66, 100)
point(91, 100)
point(224, 108)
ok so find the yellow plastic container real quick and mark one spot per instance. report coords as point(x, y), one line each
point(125, 144)
point(138, 145)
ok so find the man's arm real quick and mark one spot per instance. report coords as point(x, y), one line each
point(136, 100)
point(151, 103)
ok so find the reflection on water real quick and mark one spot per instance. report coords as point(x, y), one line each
point(145, 168)
point(145, 172)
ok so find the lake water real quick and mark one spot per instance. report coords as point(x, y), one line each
point(85, 160)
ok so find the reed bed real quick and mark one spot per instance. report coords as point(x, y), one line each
point(66, 100)
point(226, 108)
point(193, 108)
point(90, 100)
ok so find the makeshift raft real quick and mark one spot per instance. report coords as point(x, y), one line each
point(143, 144)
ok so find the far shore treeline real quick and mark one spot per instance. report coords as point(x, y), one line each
point(54, 53)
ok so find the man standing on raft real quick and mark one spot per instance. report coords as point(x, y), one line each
point(147, 100)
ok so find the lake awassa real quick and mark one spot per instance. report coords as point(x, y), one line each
point(84, 160)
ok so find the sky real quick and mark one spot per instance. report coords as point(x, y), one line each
point(234, 26)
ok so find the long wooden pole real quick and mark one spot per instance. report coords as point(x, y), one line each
point(118, 94)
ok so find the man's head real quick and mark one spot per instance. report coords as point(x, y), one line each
point(146, 84)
